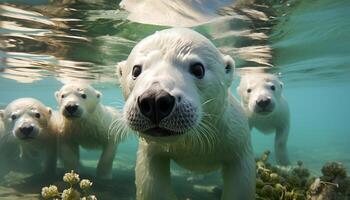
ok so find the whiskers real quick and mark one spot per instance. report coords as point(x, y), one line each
point(208, 101)
point(203, 137)
point(118, 129)
point(205, 114)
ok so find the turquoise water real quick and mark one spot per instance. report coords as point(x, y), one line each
point(44, 45)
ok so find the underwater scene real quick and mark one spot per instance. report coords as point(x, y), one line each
point(303, 46)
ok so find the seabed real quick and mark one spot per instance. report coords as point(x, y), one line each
point(273, 183)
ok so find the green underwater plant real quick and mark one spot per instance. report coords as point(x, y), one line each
point(295, 183)
point(272, 183)
point(51, 192)
point(334, 184)
point(278, 183)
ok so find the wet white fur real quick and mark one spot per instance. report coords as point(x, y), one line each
point(220, 139)
point(42, 147)
point(278, 120)
point(91, 130)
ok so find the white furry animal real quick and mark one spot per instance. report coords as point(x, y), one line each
point(266, 108)
point(33, 126)
point(176, 85)
point(86, 122)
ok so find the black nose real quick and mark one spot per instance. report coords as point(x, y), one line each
point(71, 108)
point(26, 130)
point(263, 103)
point(156, 104)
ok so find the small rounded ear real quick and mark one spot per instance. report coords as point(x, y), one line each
point(229, 69)
point(282, 85)
point(49, 110)
point(229, 64)
point(119, 68)
point(98, 94)
point(57, 94)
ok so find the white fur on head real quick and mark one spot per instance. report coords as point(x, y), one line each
point(254, 86)
point(57, 94)
point(165, 59)
point(1, 114)
point(80, 94)
point(183, 43)
point(24, 111)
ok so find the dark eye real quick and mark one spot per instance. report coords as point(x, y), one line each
point(197, 70)
point(13, 117)
point(83, 96)
point(62, 96)
point(273, 87)
point(249, 90)
point(136, 71)
point(37, 115)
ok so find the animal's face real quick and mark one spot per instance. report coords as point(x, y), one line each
point(260, 93)
point(26, 118)
point(171, 81)
point(77, 100)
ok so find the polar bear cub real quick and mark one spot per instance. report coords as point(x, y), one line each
point(267, 109)
point(34, 127)
point(176, 85)
point(85, 122)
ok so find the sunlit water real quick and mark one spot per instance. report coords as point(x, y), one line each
point(307, 42)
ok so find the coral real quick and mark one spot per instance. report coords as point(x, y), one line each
point(49, 192)
point(91, 197)
point(70, 193)
point(85, 184)
point(71, 178)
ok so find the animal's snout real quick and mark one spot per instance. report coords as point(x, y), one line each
point(156, 104)
point(263, 102)
point(71, 108)
point(27, 129)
